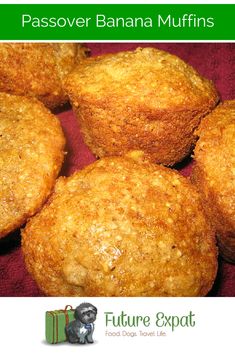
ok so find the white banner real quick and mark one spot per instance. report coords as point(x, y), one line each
point(125, 324)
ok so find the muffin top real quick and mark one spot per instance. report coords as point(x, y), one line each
point(37, 69)
point(146, 76)
point(122, 227)
point(215, 155)
point(31, 154)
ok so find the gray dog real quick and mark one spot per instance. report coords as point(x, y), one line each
point(81, 329)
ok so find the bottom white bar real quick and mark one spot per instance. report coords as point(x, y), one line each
point(125, 324)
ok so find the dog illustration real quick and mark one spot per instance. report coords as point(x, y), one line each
point(81, 329)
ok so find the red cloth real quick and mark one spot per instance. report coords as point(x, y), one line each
point(215, 61)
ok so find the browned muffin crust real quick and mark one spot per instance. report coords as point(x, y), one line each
point(31, 154)
point(145, 99)
point(122, 227)
point(214, 173)
point(37, 69)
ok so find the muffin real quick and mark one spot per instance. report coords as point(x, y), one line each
point(31, 154)
point(214, 173)
point(37, 69)
point(122, 227)
point(145, 99)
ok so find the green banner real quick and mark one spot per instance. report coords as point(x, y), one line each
point(117, 22)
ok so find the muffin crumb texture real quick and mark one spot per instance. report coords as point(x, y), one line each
point(37, 69)
point(31, 155)
point(122, 227)
point(214, 173)
point(145, 99)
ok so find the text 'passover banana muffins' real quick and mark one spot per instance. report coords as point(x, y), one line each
point(37, 69)
point(145, 99)
point(122, 227)
point(31, 154)
point(214, 173)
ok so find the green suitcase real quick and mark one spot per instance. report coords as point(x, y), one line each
point(55, 324)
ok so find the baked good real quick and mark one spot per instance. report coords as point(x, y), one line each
point(145, 99)
point(214, 173)
point(122, 227)
point(31, 154)
point(37, 69)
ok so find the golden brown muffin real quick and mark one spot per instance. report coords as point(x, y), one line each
point(214, 173)
point(122, 227)
point(145, 99)
point(37, 69)
point(31, 154)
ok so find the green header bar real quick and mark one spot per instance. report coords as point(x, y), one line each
point(117, 22)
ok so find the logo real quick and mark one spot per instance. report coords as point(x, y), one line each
point(72, 325)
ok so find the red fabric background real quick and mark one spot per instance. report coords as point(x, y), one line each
point(215, 61)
